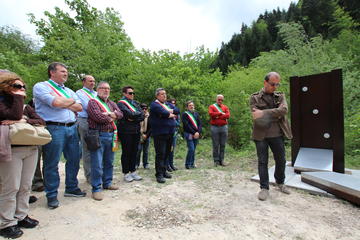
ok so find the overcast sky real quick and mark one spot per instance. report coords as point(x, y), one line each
point(177, 25)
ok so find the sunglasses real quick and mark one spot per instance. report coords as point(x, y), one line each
point(18, 86)
point(274, 84)
point(131, 93)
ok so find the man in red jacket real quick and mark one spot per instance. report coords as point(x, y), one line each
point(219, 115)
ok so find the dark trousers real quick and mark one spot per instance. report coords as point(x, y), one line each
point(144, 148)
point(162, 144)
point(129, 145)
point(276, 145)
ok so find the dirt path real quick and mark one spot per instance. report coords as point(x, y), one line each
point(196, 204)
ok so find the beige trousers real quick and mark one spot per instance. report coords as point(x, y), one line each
point(15, 185)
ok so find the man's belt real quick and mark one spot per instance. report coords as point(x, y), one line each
point(60, 123)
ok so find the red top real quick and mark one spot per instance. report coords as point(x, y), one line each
point(217, 118)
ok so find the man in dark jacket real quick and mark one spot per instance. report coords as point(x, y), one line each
point(129, 133)
point(162, 121)
point(270, 126)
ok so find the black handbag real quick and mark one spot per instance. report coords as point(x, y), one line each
point(92, 139)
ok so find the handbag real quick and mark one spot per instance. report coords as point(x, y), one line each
point(27, 134)
point(92, 139)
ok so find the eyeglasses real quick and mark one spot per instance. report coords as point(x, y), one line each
point(18, 86)
point(131, 93)
point(274, 84)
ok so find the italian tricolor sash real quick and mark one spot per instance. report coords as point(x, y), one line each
point(218, 107)
point(106, 108)
point(192, 119)
point(163, 105)
point(128, 105)
point(88, 93)
point(58, 90)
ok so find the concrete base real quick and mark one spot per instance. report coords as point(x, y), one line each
point(293, 180)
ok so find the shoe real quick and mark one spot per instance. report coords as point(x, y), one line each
point(28, 222)
point(147, 166)
point(173, 168)
point(169, 169)
point(112, 187)
point(283, 188)
point(137, 167)
point(216, 164)
point(160, 179)
point(11, 232)
point(128, 177)
point(32, 199)
point(53, 202)
point(135, 176)
point(187, 167)
point(223, 164)
point(263, 194)
point(193, 166)
point(98, 196)
point(75, 193)
point(40, 188)
point(167, 175)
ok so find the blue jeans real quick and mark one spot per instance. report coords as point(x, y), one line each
point(102, 163)
point(276, 145)
point(144, 148)
point(191, 145)
point(64, 140)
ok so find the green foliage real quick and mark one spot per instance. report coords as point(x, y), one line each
point(91, 42)
point(239, 85)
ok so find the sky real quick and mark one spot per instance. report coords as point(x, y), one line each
point(177, 25)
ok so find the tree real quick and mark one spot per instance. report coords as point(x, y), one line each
point(92, 42)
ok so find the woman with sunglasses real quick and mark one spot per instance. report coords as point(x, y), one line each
point(17, 173)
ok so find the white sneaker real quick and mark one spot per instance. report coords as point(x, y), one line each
point(128, 177)
point(135, 176)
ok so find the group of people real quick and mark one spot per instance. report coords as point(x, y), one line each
point(90, 118)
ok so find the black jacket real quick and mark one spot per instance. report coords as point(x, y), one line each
point(188, 126)
point(130, 123)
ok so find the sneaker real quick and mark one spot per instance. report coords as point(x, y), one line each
point(52, 202)
point(98, 196)
point(173, 168)
point(283, 188)
point(75, 193)
point(128, 177)
point(112, 187)
point(11, 232)
point(169, 169)
point(28, 222)
point(135, 176)
point(263, 194)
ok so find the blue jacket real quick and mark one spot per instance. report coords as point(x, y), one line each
point(188, 126)
point(159, 119)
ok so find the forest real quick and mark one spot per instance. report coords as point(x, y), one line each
point(311, 36)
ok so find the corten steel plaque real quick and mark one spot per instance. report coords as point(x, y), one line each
point(317, 117)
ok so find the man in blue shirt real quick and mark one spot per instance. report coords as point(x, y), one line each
point(162, 122)
point(57, 105)
point(85, 94)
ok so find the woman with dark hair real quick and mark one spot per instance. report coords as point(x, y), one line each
point(17, 173)
point(192, 130)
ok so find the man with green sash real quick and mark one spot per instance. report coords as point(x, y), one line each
point(57, 105)
point(219, 115)
point(85, 94)
point(129, 133)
